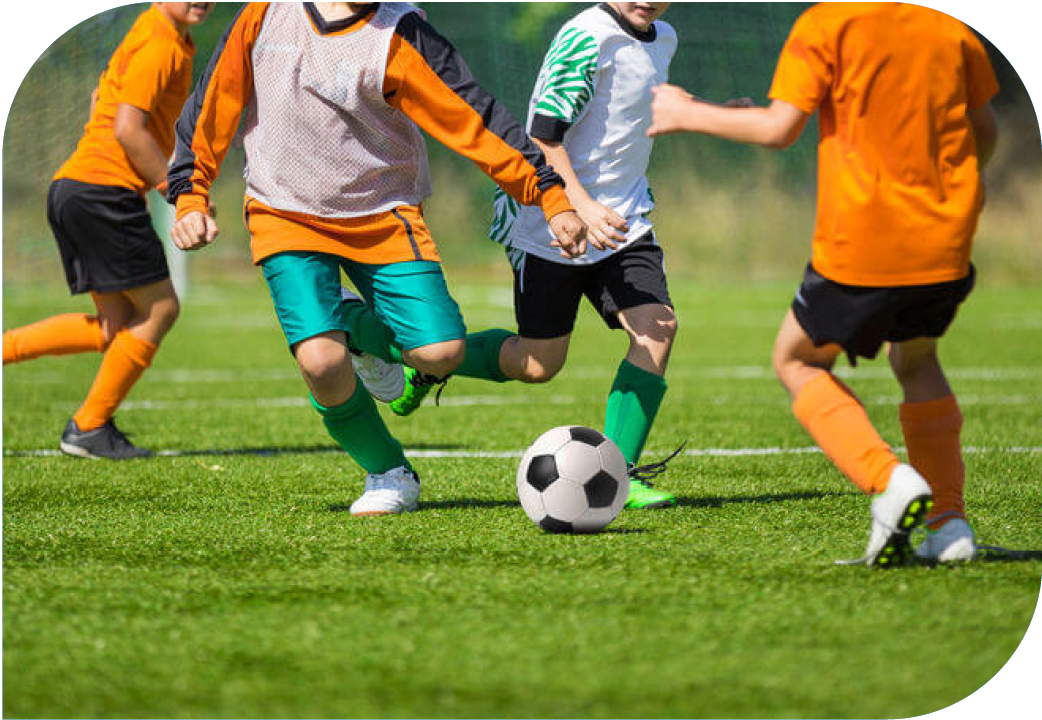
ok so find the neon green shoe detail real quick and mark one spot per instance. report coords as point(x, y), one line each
point(417, 387)
point(645, 497)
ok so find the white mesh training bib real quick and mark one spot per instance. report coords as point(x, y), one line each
point(320, 138)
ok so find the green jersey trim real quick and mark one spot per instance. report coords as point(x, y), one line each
point(567, 75)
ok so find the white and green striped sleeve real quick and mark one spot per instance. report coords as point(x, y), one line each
point(566, 83)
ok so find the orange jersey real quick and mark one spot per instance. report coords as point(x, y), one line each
point(335, 161)
point(151, 70)
point(899, 188)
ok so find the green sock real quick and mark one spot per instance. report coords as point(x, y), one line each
point(367, 333)
point(632, 405)
point(361, 432)
point(482, 359)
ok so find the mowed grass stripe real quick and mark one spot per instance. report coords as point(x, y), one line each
point(748, 372)
point(448, 453)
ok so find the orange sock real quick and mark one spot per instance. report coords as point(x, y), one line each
point(127, 357)
point(58, 335)
point(931, 431)
point(839, 424)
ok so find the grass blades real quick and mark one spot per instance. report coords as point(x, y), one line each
point(229, 580)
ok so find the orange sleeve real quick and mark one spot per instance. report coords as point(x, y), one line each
point(146, 72)
point(210, 118)
point(428, 80)
point(981, 83)
point(805, 68)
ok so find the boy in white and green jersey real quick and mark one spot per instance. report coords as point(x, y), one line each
point(589, 114)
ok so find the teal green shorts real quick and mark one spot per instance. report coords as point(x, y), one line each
point(411, 298)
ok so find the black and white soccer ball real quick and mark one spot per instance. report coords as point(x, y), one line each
point(572, 480)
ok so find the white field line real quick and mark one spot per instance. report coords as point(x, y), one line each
point(436, 454)
point(450, 401)
point(736, 372)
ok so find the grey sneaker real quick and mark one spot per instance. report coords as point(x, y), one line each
point(106, 441)
point(952, 543)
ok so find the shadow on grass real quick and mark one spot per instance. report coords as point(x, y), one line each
point(994, 553)
point(715, 502)
point(460, 504)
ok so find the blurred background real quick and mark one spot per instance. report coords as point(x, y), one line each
point(725, 212)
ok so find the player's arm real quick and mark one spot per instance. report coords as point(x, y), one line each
point(428, 81)
point(131, 130)
point(208, 124)
point(776, 126)
point(985, 132)
point(565, 86)
point(603, 225)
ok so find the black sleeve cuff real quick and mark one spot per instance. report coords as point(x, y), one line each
point(549, 128)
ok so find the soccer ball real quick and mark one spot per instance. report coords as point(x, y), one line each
point(572, 480)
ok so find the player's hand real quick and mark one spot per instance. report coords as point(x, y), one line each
point(604, 227)
point(195, 230)
point(670, 106)
point(570, 233)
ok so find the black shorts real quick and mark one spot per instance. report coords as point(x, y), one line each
point(105, 237)
point(547, 293)
point(861, 319)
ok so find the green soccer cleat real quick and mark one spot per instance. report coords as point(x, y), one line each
point(643, 496)
point(417, 387)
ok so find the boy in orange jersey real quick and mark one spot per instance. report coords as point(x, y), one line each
point(331, 98)
point(903, 95)
point(97, 210)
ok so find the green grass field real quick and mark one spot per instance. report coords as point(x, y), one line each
point(226, 579)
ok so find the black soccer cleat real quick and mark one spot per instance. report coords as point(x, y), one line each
point(106, 442)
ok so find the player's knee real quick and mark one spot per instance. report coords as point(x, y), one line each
point(907, 366)
point(783, 362)
point(655, 330)
point(538, 370)
point(322, 363)
point(440, 359)
point(167, 311)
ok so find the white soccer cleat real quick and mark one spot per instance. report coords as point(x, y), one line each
point(895, 513)
point(954, 542)
point(390, 493)
point(385, 381)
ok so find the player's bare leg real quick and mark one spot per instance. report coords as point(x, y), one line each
point(425, 367)
point(932, 422)
point(325, 364)
point(351, 418)
point(837, 421)
point(636, 395)
point(533, 360)
point(134, 323)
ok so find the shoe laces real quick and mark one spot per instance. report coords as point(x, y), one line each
point(118, 434)
point(644, 473)
point(390, 480)
point(425, 380)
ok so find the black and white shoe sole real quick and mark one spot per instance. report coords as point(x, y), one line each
point(897, 549)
